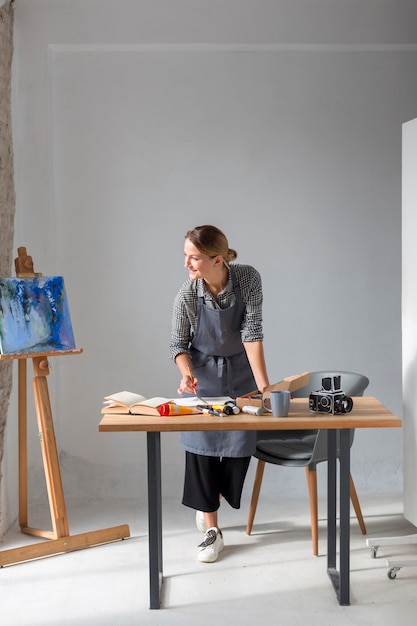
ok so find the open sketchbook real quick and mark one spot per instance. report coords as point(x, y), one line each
point(124, 402)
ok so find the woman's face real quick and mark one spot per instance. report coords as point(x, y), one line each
point(199, 265)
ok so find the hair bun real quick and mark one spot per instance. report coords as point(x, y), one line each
point(231, 254)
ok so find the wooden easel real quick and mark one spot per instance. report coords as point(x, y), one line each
point(59, 537)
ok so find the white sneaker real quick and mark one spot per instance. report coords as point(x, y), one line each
point(211, 546)
point(199, 521)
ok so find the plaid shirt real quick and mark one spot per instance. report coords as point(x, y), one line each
point(184, 317)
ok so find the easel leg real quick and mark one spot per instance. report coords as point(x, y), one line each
point(49, 451)
point(23, 455)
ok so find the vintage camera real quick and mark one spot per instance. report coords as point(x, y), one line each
point(330, 398)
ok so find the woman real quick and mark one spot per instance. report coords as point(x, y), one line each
point(217, 344)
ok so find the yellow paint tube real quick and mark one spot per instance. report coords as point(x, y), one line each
point(170, 408)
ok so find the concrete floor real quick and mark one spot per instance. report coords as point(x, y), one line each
point(270, 577)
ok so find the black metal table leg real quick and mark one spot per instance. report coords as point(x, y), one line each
point(339, 579)
point(344, 496)
point(331, 501)
point(154, 518)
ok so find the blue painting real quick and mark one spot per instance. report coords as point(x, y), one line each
point(34, 315)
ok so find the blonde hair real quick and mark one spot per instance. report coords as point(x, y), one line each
point(212, 241)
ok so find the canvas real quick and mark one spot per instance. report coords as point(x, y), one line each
point(34, 315)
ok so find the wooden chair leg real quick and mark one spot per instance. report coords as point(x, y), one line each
point(311, 475)
point(355, 501)
point(255, 495)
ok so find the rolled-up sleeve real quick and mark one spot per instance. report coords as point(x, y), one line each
point(251, 287)
point(184, 320)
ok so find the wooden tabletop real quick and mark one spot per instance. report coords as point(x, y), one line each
point(367, 412)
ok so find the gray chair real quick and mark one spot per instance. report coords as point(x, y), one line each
point(305, 448)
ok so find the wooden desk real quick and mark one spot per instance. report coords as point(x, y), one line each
point(367, 413)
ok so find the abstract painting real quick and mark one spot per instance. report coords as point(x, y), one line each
point(34, 315)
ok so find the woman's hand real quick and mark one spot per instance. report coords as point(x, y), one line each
point(188, 384)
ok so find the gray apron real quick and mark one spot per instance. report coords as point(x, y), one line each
point(220, 363)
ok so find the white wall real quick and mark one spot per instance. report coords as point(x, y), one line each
point(409, 315)
point(278, 121)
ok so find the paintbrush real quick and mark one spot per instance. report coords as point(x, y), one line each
point(194, 386)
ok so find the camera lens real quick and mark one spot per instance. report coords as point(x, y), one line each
point(345, 404)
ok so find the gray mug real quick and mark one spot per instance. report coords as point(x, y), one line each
point(279, 403)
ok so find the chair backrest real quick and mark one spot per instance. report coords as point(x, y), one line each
point(352, 384)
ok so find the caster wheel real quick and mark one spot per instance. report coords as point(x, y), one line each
point(392, 573)
point(374, 550)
